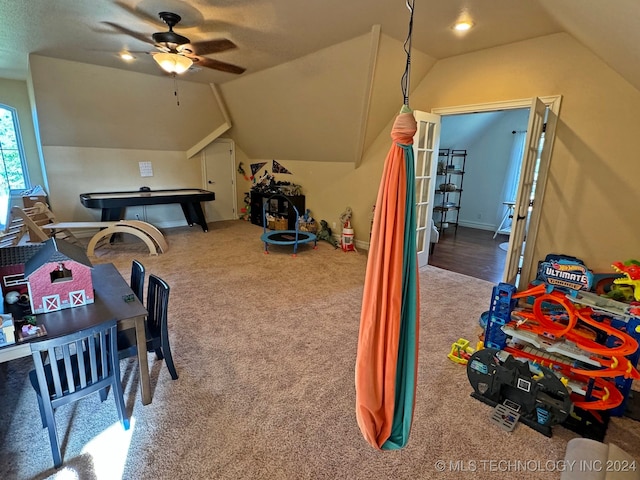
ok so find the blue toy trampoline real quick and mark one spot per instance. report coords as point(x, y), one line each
point(284, 237)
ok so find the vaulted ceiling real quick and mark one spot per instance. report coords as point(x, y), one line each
point(269, 33)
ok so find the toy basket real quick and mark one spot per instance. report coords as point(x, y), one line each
point(308, 226)
point(281, 223)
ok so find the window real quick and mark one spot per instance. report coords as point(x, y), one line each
point(13, 170)
point(61, 274)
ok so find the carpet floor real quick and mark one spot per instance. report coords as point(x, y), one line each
point(265, 346)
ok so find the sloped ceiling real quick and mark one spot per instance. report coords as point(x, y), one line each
point(269, 33)
point(283, 34)
point(608, 29)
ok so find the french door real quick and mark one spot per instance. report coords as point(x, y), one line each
point(425, 150)
point(526, 214)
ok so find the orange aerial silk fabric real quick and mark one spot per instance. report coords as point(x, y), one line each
point(378, 340)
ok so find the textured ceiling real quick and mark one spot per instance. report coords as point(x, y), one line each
point(270, 32)
point(267, 32)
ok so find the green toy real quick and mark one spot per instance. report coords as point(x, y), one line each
point(325, 234)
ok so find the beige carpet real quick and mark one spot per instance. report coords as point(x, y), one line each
point(265, 347)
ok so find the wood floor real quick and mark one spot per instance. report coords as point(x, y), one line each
point(472, 252)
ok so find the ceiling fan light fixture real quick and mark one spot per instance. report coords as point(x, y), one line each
point(172, 62)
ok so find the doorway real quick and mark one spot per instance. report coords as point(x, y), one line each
point(494, 142)
point(539, 138)
point(218, 172)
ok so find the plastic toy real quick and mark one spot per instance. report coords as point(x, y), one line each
point(461, 351)
point(631, 271)
point(242, 172)
point(347, 240)
point(589, 342)
point(325, 234)
point(246, 210)
point(345, 218)
point(12, 297)
point(533, 391)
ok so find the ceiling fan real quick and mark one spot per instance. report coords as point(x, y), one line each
point(177, 53)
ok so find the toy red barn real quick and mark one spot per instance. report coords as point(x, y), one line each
point(59, 276)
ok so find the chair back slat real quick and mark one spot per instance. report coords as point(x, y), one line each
point(157, 305)
point(104, 349)
point(137, 279)
point(68, 367)
point(79, 344)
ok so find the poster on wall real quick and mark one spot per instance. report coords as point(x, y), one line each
point(255, 168)
point(277, 168)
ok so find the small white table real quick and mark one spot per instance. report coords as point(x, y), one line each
point(507, 214)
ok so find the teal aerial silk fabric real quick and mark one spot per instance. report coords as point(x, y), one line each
point(408, 342)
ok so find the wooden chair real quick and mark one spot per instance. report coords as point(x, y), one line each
point(91, 367)
point(137, 279)
point(157, 326)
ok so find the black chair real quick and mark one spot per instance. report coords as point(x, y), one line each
point(156, 326)
point(137, 279)
point(72, 374)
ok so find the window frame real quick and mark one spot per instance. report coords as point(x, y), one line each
point(20, 149)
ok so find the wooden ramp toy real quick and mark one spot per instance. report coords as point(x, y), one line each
point(41, 222)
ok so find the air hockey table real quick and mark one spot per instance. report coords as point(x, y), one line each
point(113, 204)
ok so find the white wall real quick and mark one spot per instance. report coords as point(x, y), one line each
point(590, 206)
point(488, 155)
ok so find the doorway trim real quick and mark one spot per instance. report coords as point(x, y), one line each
point(553, 104)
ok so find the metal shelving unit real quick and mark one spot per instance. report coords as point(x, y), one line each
point(450, 176)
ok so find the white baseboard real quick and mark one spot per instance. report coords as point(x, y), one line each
point(478, 225)
point(362, 245)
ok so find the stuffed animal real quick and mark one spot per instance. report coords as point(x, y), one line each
point(325, 234)
point(345, 218)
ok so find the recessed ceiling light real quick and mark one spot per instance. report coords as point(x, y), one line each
point(463, 26)
point(126, 56)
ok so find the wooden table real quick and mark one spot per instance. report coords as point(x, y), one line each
point(110, 289)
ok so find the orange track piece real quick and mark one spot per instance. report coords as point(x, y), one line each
point(537, 290)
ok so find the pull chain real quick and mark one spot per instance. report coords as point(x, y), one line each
point(175, 89)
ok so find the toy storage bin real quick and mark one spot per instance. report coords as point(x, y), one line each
point(308, 226)
point(281, 223)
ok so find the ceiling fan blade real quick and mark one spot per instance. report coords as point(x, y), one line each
point(216, 64)
point(207, 47)
point(137, 35)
